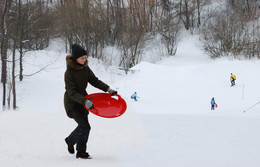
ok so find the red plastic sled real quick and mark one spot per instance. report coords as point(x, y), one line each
point(107, 106)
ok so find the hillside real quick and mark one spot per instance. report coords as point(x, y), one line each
point(171, 124)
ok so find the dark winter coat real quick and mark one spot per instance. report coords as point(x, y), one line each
point(76, 78)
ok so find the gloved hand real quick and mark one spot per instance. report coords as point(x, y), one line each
point(111, 91)
point(89, 104)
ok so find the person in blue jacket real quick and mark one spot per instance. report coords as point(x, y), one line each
point(212, 103)
point(134, 96)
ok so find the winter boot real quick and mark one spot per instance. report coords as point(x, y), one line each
point(70, 147)
point(84, 155)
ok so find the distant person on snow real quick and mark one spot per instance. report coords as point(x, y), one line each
point(134, 96)
point(77, 77)
point(213, 103)
point(232, 79)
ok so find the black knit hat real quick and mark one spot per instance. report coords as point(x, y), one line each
point(77, 51)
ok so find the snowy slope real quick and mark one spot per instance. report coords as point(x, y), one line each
point(170, 125)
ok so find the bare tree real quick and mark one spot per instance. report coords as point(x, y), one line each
point(4, 45)
point(230, 34)
point(189, 12)
point(15, 41)
point(245, 8)
point(24, 26)
point(170, 33)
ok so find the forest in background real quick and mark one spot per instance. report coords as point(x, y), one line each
point(226, 28)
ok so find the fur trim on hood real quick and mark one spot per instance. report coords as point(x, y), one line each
point(74, 65)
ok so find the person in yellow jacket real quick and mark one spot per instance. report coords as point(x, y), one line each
point(232, 79)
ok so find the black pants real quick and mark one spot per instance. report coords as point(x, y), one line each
point(80, 135)
point(232, 82)
point(212, 106)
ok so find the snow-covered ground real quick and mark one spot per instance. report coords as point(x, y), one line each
point(171, 124)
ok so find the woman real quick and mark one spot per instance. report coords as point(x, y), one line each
point(77, 77)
